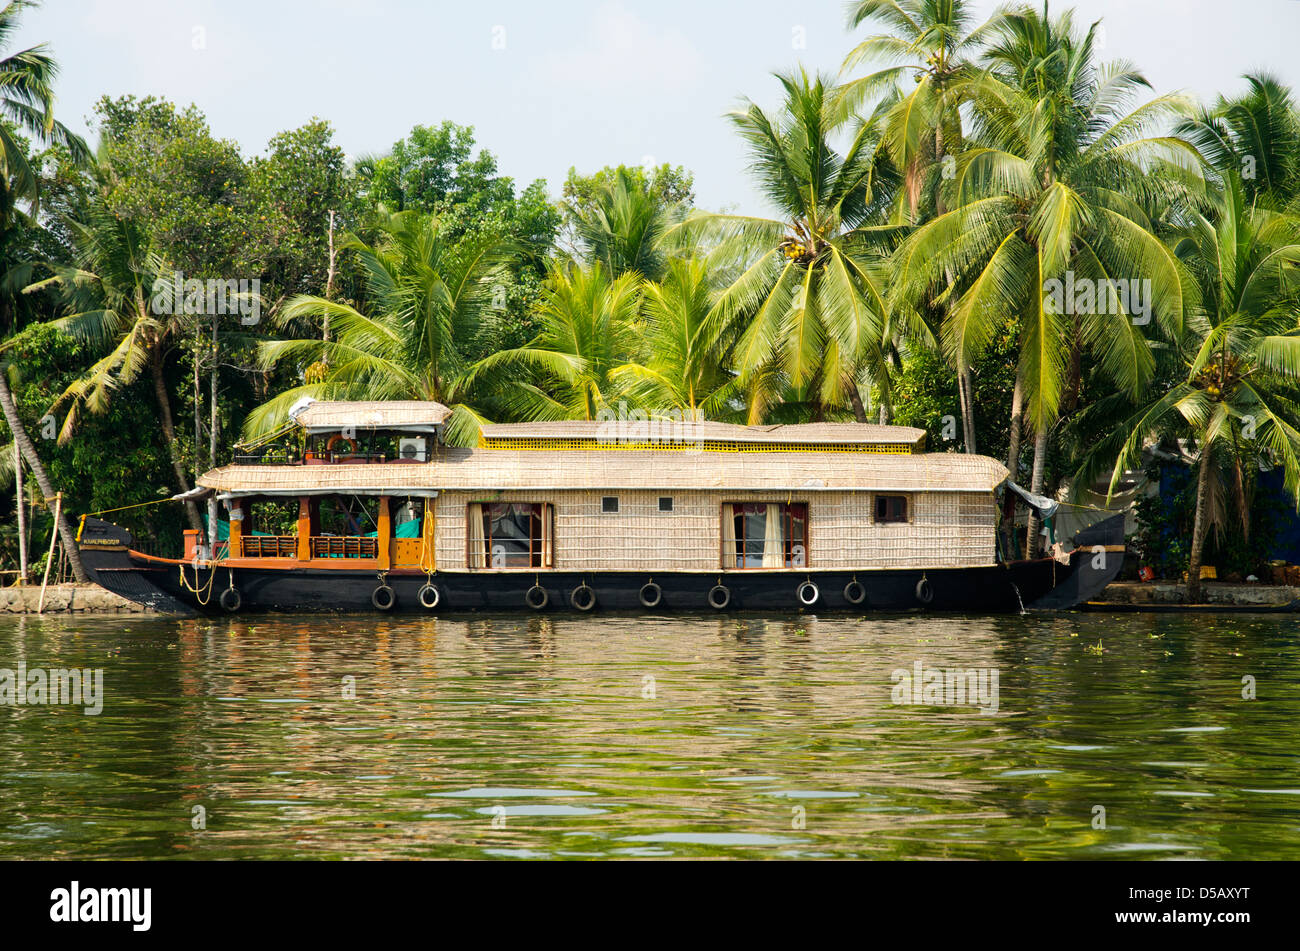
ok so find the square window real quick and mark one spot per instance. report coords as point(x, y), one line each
point(891, 508)
point(609, 504)
point(665, 503)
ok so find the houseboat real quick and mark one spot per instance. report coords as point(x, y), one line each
point(371, 510)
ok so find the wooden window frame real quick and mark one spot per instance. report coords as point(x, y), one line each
point(536, 555)
point(786, 534)
point(879, 497)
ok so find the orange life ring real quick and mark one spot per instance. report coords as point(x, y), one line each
point(335, 439)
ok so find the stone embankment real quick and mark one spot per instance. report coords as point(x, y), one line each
point(65, 598)
point(1155, 595)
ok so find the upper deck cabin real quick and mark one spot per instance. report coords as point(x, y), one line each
point(376, 486)
point(354, 433)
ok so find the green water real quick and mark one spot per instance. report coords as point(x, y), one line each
point(754, 737)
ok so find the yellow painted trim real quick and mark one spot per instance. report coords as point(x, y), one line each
point(702, 445)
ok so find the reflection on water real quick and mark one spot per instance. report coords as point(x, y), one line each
point(619, 736)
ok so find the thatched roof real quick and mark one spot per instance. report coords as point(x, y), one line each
point(582, 434)
point(321, 416)
point(498, 469)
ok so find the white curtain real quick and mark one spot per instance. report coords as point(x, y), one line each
point(477, 541)
point(773, 538)
point(728, 536)
point(548, 543)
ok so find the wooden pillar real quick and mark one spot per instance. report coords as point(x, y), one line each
point(304, 528)
point(238, 512)
point(385, 536)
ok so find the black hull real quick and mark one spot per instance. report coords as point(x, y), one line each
point(1039, 584)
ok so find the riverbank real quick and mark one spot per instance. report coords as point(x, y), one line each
point(65, 599)
point(1215, 596)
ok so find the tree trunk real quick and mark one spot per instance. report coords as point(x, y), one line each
point(212, 438)
point(966, 384)
point(859, 411)
point(20, 485)
point(1198, 529)
point(1010, 546)
point(198, 396)
point(1032, 544)
point(42, 480)
point(169, 433)
point(329, 292)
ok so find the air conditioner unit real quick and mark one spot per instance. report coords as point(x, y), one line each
point(413, 447)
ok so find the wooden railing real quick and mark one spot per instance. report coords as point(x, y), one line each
point(270, 546)
point(344, 546)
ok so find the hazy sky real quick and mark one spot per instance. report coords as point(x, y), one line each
point(548, 85)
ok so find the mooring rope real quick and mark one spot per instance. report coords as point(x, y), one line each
point(204, 596)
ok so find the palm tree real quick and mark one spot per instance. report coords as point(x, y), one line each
point(27, 103)
point(120, 303)
point(429, 300)
point(680, 368)
point(1236, 402)
point(589, 326)
point(1254, 138)
point(28, 452)
point(623, 228)
point(809, 309)
point(933, 43)
point(1057, 184)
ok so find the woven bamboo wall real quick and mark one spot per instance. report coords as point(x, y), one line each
point(944, 528)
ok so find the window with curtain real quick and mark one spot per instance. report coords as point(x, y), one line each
point(510, 535)
point(765, 535)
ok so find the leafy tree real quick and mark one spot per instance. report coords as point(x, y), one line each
point(109, 293)
point(1254, 138)
point(1056, 185)
point(161, 167)
point(428, 299)
point(588, 324)
point(668, 185)
point(1236, 403)
point(623, 226)
point(291, 193)
point(809, 311)
point(934, 44)
point(680, 367)
point(436, 171)
point(27, 101)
